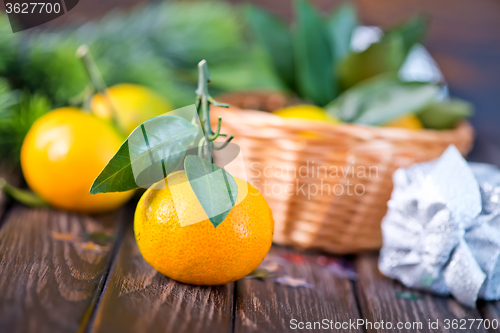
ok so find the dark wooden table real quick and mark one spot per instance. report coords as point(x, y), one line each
point(62, 272)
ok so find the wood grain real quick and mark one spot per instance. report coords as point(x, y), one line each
point(264, 306)
point(50, 270)
point(137, 299)
point(378, 298)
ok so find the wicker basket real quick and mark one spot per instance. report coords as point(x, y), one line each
point(308, 153)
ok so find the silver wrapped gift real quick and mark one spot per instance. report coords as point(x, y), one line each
point(442, 229)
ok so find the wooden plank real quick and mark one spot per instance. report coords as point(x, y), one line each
point(264, 306)
point(491, 312)
point(52, 267)
point(137, 299)
point(383, 299)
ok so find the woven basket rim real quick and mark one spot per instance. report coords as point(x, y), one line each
point(264, 118)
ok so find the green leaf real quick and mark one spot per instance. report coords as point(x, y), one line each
point(273, 35)
point(25, 197)
point(385, 56)
point(341, 26)
point(352, 102)
point(411, 31)
point(313, 56)
point(396, 101)
point(150, 153)
point(382, 99)
point(445, 114)
point(214, 187)
point(117, 175)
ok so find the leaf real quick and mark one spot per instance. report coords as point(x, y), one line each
point(25, 197)
point(150, 153)
point(341, 26)
point(398, 100)
point(445, 114)
point(411, 31)
point(117, 175)
point(382, 99)
point(385, 56)
point(313, 56)
point(273, 35)
point(214, 187)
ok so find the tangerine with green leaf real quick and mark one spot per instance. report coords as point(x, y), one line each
point(200, 253)
point(200, 225)
point(62, 153)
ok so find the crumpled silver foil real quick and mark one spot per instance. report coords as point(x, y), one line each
point(442, 229)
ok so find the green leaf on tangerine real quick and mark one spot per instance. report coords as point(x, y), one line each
point(150, 153)
point(214, 187)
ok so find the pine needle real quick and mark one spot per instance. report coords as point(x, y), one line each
point(18, 111)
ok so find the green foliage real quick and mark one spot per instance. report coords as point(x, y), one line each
point(214, 187)
point(358, 87)
point(322, 63)
point(381, 99)
point(51, 67)
point(18, 111)
point(275, 38)
point(412, 31)
point(313, 56)
point(385, 56)
point(157, 46)
point(340, 25)
point(303, 57)
point(8, 43)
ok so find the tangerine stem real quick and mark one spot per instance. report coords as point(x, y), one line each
point(204, 100)
point(97, 81)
